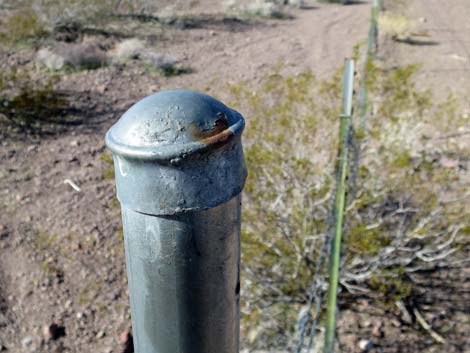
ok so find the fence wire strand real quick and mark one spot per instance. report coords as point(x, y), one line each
point(318, 281)
point(309, 318)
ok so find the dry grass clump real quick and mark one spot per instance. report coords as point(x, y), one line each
point(400, 201)
point(136, 49)
point(128, 49)
point(87, 55)
point(398, 27)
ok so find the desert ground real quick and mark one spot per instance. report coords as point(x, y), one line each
point(61, 248)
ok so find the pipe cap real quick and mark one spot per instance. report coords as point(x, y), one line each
point(173, 125)
point(177, 151)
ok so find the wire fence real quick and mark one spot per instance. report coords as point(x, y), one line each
point(346, 171)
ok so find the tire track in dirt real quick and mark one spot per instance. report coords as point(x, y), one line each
point(317, 39)
point(326, 34)
point(331, 34)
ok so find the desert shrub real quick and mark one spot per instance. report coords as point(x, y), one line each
point(128, 49)
point(394, 25)
point(21, 25)
point(58, 12)
point(155, 63)
point(288, 154)
point(54, 12)
point(291, 145)
point(28, 105)
point(73, 56)
point(259, 8)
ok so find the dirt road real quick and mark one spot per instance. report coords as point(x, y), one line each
point(441, 44)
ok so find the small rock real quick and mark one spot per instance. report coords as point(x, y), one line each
point(80, 315)
point(53, 332)
point(124, 337)
point(127, 342)
point(364, 345)
point(449, 162)
point(100, 334)
point(377, 330)
point(101, 88)
point(75, 246)
point(395, 322)
point(50, 59)
point(27, 341)
point(3, 231)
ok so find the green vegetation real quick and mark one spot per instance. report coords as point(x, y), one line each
point(291, 145)
point(392, 284)
point(23, 25)
point(28, 104)
point(108, 165)
point(44, 240)
point(88, 293)
point(167, 70)
point(398, 27)
point(288, 153)
point(52, 271)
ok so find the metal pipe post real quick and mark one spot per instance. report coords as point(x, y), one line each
point(339, 207)
point(179, 173)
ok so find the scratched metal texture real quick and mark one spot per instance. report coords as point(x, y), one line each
point(180, 170)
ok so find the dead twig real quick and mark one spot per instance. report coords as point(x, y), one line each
point(72, 184)
point(420, 319)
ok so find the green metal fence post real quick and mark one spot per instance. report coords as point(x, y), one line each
point(340, 199)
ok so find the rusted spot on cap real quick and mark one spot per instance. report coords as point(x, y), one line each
point(219, 133)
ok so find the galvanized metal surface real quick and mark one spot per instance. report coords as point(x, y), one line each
point(177, 151)
point(179, 173)
point(184, 279)
point(348, 88)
